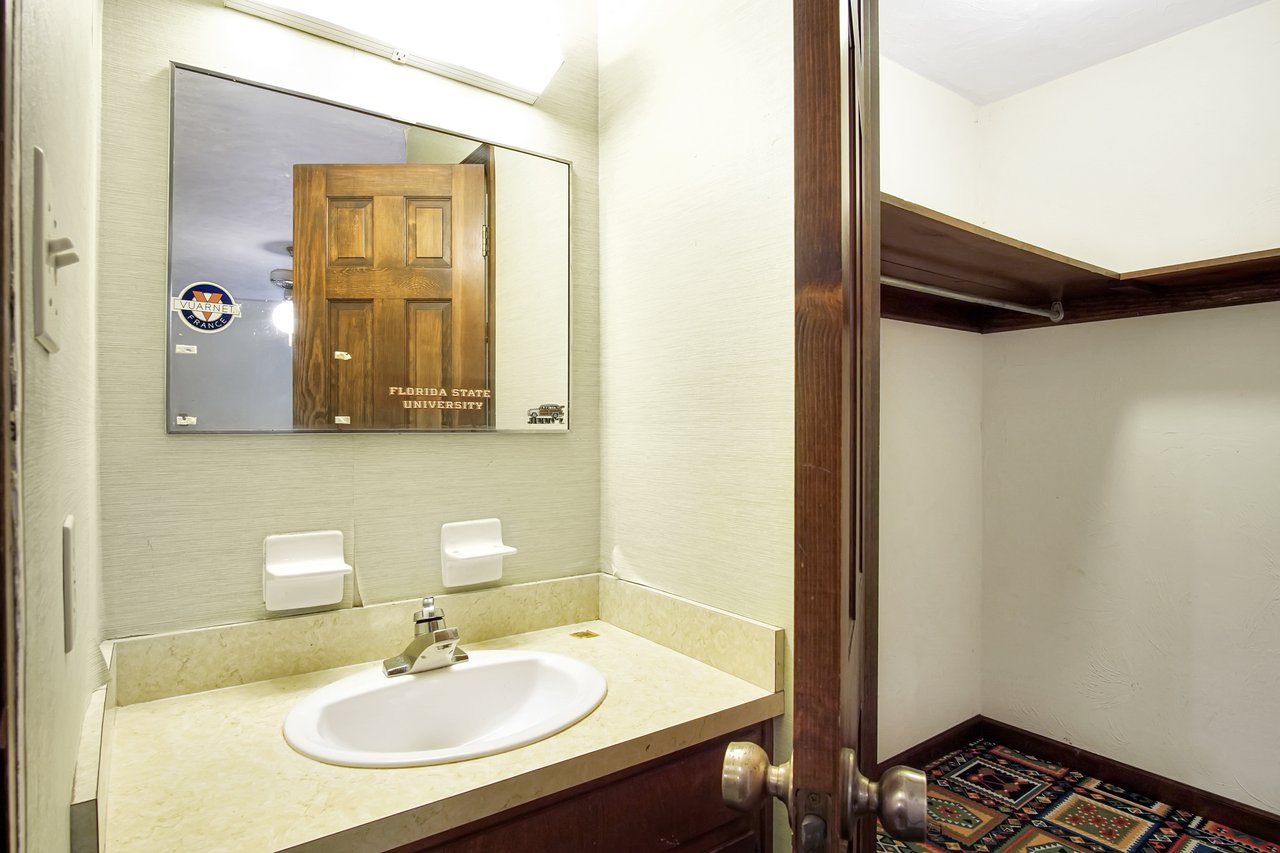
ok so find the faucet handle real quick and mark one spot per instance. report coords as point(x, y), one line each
point(430, 616)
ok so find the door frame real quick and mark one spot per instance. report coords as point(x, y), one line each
point(10, 222)
point(837, 405)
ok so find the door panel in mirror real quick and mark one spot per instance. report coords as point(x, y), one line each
point(406, 243)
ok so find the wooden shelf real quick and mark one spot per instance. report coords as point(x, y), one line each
point(928, 247)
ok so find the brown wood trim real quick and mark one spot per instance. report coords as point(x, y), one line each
point(1268, 257)
point(1236, 815)
point(865, 213)
point(978, 231)
point(822, 283)
point(926, 246)
point(1125, 304)
point(761, 733)
point(837, 242)
point(910, 307)
point(484, 156)
point(960, 735)
point(310, 364)
point(727, 839)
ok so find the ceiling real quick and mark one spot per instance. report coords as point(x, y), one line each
point(234, 148)
point(987, 50)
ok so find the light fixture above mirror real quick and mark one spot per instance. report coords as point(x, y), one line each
point(511, 47)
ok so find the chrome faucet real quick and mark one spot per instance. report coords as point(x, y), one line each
point(433, 646)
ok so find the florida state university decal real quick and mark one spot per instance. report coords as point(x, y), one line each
point(206, 307)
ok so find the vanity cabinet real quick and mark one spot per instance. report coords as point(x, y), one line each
point(671, 803)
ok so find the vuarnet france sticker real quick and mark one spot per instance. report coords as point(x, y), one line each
point(206, 307)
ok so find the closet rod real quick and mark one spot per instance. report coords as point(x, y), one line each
point(1054, 312)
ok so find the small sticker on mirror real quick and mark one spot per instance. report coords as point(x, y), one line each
point(547, 413)
point(206, 307)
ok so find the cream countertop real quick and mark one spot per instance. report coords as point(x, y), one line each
point(211, 771)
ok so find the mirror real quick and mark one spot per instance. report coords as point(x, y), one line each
point(334, 270)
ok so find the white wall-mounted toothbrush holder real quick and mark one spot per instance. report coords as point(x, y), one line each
point(303, 570)
point(471, 552)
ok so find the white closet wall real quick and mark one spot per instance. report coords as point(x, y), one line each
point(930, 141)
point(930, 532)
point(1127, 487)
point(1131, 553)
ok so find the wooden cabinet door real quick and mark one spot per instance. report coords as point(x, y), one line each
point(671, 803)
point(390, 296)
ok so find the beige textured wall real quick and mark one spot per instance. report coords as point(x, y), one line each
point(59, 57)
point(696, 303)
point(930, 143)
point(184, 517)
point(1110, 150)
point(931, 443)
point(1132, 589)
point(930, 532)
point(696, 300)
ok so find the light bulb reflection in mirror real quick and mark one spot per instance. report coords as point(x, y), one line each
point(282, 317)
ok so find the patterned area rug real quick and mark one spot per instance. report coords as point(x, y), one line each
point(987, 798)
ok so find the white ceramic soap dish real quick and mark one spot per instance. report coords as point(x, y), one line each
point(303, 570)
point(471, 552)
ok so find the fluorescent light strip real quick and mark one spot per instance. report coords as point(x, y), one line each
point(297, 20)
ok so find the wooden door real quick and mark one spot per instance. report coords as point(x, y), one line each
point(390, 297)
point(837, 411)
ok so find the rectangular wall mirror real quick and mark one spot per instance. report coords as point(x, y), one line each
point(335, 270)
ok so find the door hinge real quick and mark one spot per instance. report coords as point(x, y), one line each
point(485, 244)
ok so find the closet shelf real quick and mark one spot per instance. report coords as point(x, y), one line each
point(927, 247)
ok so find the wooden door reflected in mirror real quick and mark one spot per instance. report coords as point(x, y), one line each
point(391, 297)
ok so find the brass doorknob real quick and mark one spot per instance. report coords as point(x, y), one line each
point(747, 777)
point(900, 799)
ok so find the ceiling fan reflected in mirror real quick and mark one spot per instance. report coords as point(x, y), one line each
point(282, 316)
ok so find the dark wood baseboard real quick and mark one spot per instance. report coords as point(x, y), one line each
point(961, 734)
point(1245, 818)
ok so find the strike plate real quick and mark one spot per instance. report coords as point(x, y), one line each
point(812, 820)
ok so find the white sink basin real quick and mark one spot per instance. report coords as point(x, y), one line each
point(496, 701)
